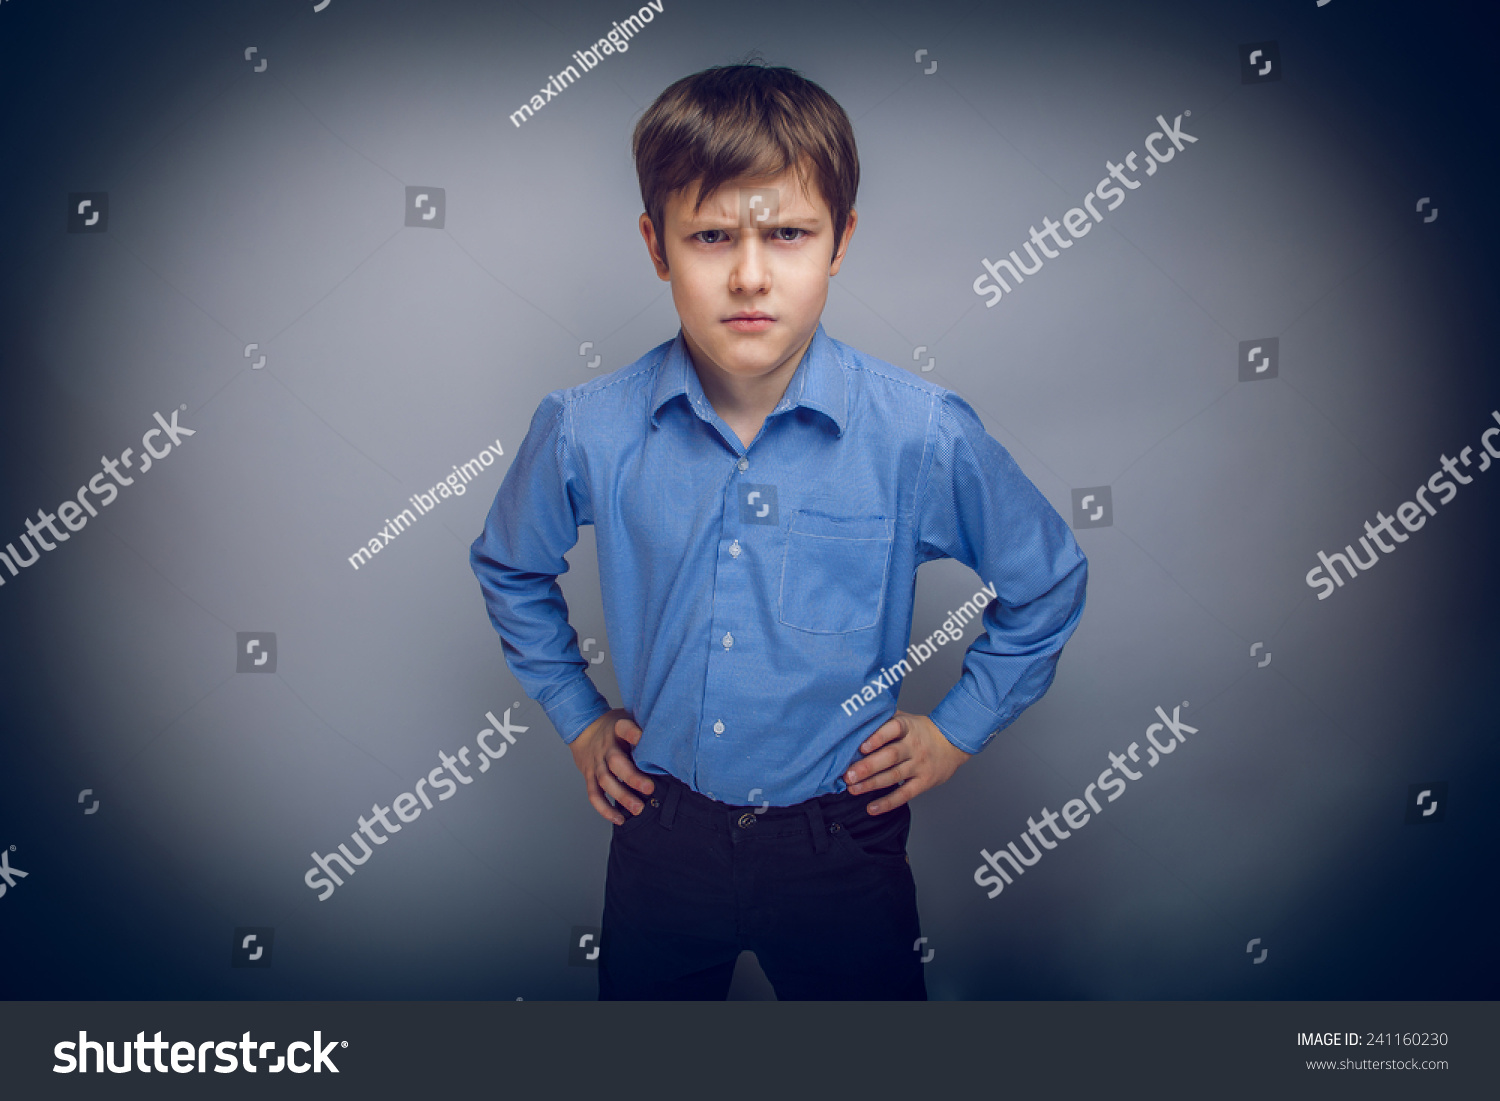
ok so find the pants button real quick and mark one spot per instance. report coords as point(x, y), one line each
point(747, 820)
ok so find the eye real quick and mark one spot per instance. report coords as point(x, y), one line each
point(789, 229)
point(703, 236)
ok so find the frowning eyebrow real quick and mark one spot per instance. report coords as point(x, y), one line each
point(716, 219)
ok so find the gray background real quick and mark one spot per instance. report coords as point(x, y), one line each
point(267, 207)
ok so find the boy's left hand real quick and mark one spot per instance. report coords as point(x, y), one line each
point(908, 750)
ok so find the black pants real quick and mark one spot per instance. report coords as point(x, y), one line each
point(821, 892)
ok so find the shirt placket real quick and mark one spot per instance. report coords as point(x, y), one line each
point(729, 635)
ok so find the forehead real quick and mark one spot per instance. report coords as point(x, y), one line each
point(781, 197)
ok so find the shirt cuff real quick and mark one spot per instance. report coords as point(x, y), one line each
point(572, 711)
point(964, 721)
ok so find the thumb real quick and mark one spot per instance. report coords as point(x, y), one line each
point(627, 730)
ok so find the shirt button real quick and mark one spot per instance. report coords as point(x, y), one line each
point(734, 549)
point(719, 727)
point(744, 464)
point(728, 640)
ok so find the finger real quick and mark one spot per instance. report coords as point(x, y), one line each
point(889, 731)
point(901, 796)
point(859, 773)
point(622, 795)
point(601, 804)
point(622, 767)
point(906, 771)
point(627, 731)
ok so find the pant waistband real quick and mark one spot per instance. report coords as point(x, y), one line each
point(821, 811)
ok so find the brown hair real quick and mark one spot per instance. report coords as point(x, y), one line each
point(737, 121)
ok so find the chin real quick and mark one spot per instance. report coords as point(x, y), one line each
point(747, 369)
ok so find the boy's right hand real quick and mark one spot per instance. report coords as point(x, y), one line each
point(602, 754)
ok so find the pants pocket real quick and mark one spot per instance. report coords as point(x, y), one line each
point(876, 837)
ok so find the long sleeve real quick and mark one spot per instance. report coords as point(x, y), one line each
point(518, 557)
point(979, 508)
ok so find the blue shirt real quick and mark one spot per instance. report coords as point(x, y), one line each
point(750, 592)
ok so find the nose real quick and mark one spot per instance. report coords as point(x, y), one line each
point(750, 274)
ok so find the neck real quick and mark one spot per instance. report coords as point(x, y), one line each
point(740, 397)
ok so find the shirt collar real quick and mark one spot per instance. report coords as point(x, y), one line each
point(818, 383)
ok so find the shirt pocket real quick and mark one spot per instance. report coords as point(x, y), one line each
point(833, 573)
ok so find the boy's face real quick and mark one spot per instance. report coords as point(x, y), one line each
point(749, 271)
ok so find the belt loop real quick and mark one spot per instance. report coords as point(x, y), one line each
point(669, 804)
point(815, 822)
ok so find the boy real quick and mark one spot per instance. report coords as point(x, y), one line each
point(762, 496)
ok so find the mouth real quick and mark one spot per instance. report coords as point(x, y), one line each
point(750, 321)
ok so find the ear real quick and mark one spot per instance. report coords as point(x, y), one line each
point(655, 247)
point(838, 257)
